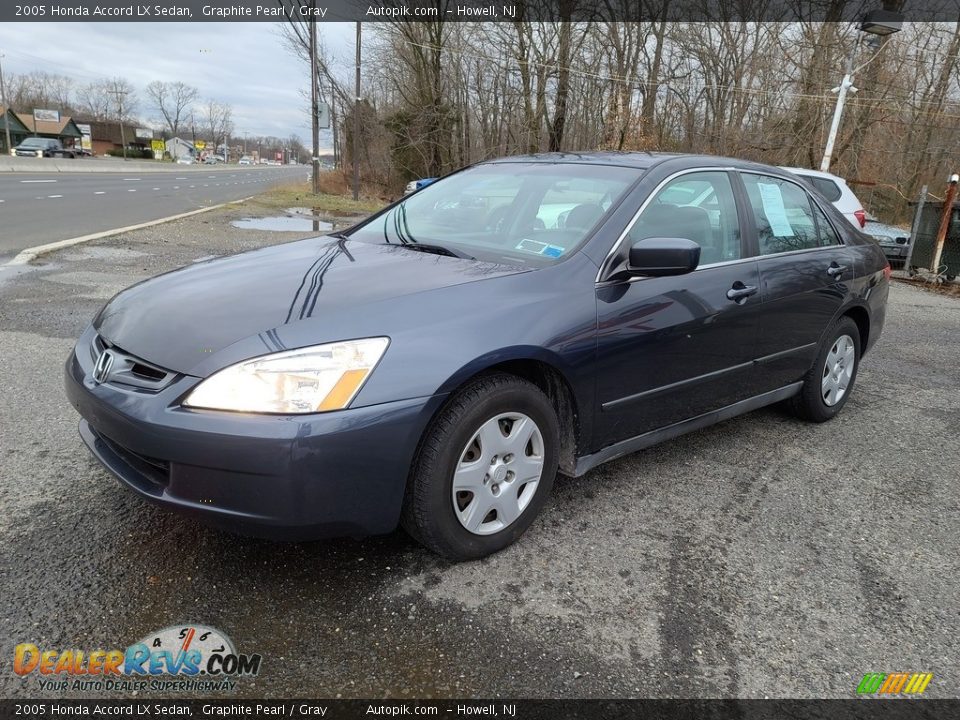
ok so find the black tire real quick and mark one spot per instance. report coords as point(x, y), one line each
point(428, 511)
point(809, 404)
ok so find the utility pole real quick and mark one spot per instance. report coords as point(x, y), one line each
point(944, 224)
point(356, 125)
point(123, 138)
point(314, 102)
point(6, 109)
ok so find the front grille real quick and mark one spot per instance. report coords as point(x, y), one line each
point(127, 369)
point(153, 469)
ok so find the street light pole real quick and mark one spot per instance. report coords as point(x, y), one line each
point(882, 24)
point(846, 85)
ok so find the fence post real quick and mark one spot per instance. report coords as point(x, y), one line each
point(915, 227)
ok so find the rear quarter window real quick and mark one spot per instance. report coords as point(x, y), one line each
point(828, 188)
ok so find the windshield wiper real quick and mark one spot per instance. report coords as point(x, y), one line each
point(338, 236)
point(437, 250)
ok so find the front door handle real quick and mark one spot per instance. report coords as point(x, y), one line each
point(740, 292)
point(836, 270)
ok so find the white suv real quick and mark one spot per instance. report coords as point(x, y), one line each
point(836, 190)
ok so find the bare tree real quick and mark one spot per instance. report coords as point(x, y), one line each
point(173, 101)
point(218, 119)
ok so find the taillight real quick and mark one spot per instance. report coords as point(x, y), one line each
point(861, 217)
point(887, 272)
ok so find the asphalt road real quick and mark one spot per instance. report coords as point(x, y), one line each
point(763, 557)
point(40, 208)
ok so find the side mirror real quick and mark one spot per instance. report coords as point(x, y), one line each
point(660, 256)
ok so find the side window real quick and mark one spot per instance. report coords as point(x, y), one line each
point(826, 235)
point(783, 214)
point(828, 188)
point(698, 207)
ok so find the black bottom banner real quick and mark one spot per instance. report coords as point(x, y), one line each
point(867, 709)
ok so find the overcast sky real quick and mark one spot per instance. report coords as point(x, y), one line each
point(244, 64)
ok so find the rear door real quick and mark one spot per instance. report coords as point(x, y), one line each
point(804, 271)
point(672, 348)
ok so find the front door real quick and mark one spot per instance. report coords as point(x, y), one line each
point(672, 348)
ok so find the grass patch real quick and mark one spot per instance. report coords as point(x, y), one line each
point(299, 195)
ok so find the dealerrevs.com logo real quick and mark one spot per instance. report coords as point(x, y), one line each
point(179, 657)
point(899, 683)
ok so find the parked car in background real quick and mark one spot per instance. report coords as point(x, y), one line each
point(214, 160)
point(42, 147)
point(520, 317)
point(894, 241)
point(415, 185)
point(246, 160)
point(185, 160)
point(836, 190)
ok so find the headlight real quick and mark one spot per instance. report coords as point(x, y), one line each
point(309, 380)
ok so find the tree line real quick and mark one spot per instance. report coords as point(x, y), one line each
point(437, 96)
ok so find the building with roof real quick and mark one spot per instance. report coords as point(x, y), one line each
point(18, 131)
point(65, 129)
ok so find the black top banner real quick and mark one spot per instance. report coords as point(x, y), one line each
point(472, 10)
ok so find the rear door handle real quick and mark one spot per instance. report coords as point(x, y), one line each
point(740, 292)
point(836, 270)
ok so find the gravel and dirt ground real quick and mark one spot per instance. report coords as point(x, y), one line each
point(762, 557)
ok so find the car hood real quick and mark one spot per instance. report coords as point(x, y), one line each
point(180, 319)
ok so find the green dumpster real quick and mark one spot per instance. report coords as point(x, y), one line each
point(926, 236)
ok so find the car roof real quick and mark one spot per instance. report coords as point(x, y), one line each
point(639, 160)
point(812, 173)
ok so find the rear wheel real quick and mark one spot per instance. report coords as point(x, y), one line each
point(828, 384)
point(484, 468)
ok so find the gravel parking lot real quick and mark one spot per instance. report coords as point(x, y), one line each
point(762, 557)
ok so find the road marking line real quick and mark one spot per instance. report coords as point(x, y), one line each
point(27, 255)
point(99, 192)
point(54, 196)
point(176, 187)
point(179, 178)
point(37, 181)
point(156, 188)
point(127, 179)
point(131, 190)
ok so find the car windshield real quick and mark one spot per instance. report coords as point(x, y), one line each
point(519, 213)
point(34, 142)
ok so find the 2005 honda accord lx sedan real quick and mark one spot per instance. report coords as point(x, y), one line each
point(438, 364)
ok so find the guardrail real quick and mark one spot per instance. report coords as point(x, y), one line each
point(94, 165)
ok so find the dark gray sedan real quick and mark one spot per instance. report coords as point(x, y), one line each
point(439, 363)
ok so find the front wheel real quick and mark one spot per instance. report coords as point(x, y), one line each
point(828, 384)
point(484, 468)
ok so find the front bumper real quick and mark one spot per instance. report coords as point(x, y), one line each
point(283, 476)
point(897, 253)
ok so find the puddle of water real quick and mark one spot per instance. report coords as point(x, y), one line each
point(298, 219)
point(283, 224)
